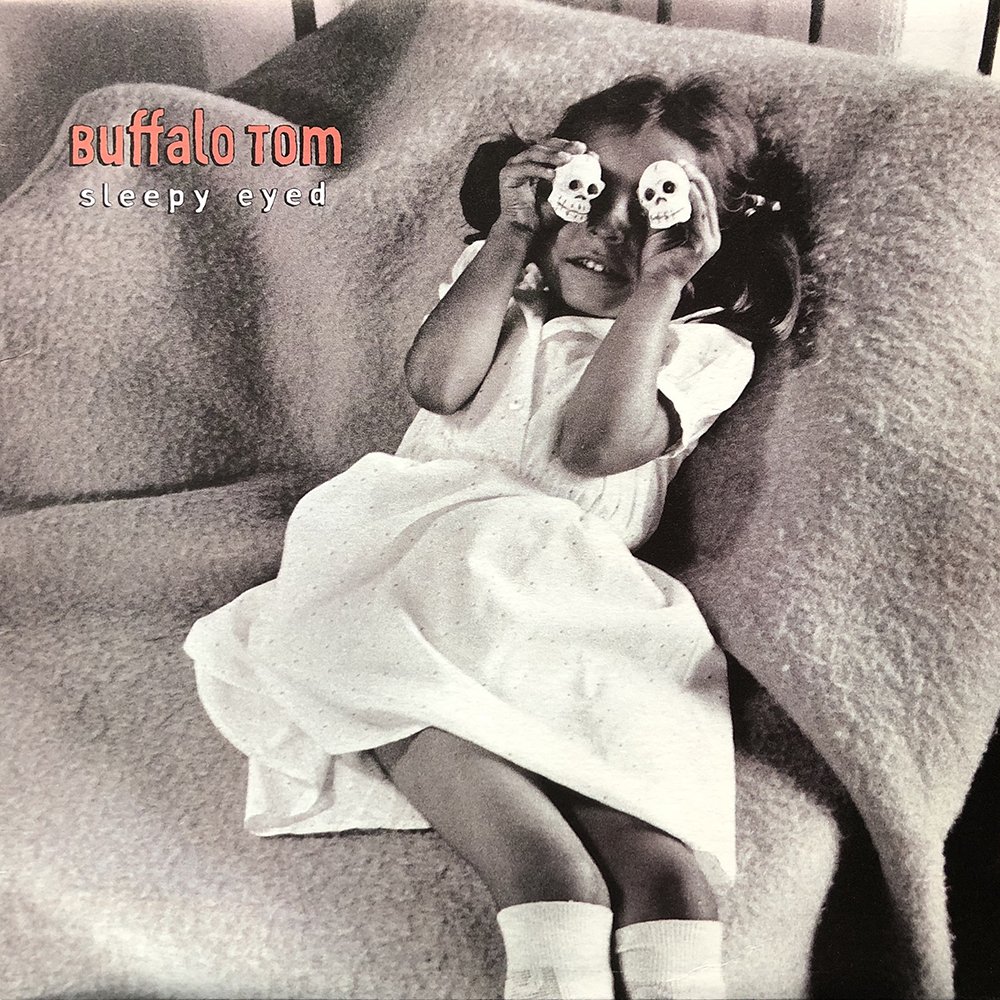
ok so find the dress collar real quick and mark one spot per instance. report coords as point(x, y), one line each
point(530, 292)
point(578, 324)
point(599, 327)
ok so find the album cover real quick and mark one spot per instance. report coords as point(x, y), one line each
point(496, 499)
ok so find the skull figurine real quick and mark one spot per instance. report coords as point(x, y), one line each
point(664, 191)
point(576, 184)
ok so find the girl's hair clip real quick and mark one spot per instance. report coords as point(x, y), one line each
point(752, 203)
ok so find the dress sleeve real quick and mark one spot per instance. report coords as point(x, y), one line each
point(465, 258)
point(526, 290)
point(707, 373)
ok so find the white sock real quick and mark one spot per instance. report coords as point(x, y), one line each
point(557, 951)
point(671, 960)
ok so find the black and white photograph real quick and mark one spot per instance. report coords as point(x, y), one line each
point(499, 498)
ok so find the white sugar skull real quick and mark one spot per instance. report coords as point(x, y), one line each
point(664, 192)
point(576, 184)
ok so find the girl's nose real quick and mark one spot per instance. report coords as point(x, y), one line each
point(608, 230)
point(610, 221)
point(610, 227)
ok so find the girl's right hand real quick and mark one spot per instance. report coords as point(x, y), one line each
point(520, 176)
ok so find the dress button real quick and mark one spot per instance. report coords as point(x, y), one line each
point(514, 404)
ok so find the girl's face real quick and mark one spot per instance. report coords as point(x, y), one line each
point(592, 268)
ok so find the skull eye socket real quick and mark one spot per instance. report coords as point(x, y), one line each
point(574, 185)
point(592, 190)
point(648, 194)
point(669, 187)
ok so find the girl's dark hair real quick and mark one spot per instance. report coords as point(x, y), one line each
point(757, 273)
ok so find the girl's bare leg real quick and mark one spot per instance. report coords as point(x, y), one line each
point(496, 816)
point(552, 900)
point(668, 938)
point(650, 875)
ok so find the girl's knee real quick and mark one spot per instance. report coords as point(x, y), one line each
point(495, 815)
point(545, 868)
point(541, 868)
point(540, 858)
point(433, 750)
point(665, 881)
point(389, 754)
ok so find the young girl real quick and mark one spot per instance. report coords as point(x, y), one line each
point(459, 634)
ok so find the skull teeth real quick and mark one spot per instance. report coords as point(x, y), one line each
point(571, 210)
point(662, 221)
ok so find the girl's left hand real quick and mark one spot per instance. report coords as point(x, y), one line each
point(661, 257)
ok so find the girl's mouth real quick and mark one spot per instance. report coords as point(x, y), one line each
point(596, 266)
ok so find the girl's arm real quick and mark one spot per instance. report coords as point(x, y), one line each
point(616, 419)
point(457, 343)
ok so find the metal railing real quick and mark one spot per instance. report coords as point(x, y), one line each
point(304, 19)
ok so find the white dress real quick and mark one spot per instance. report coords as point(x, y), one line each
point(473, 583)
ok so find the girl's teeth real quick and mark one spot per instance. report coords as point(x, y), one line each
point(592, 265)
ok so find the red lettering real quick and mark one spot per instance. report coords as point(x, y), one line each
point(317, 143)
point(223, 145)
point(200, 153)
point(107, 154)
point(257, 132)
point(178, 151)
point(81, 145)
point(148, 132)
point(284, 145)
